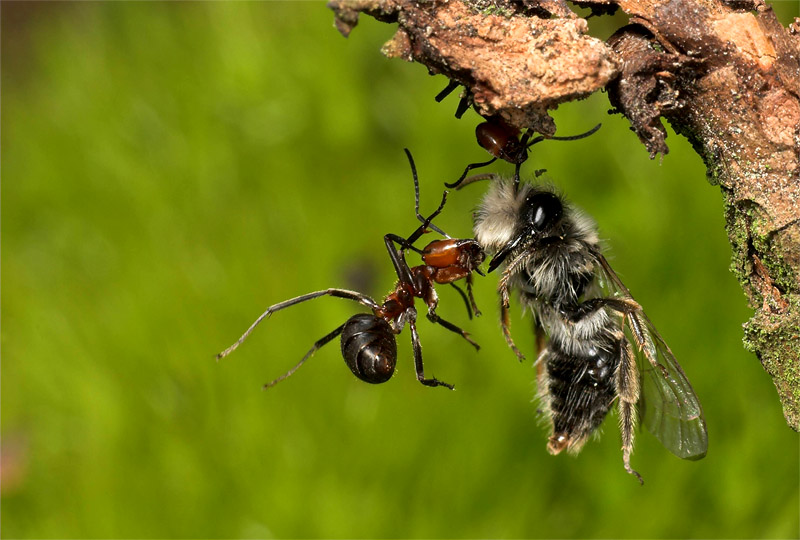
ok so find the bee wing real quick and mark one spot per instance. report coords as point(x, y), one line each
point(669, 406)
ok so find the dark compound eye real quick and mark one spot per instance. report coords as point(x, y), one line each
point(542, 210)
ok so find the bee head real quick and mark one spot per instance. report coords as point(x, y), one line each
point(539, 216)
point(541, 212)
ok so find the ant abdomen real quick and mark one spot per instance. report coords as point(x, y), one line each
point(500, 140)
point(369, 348)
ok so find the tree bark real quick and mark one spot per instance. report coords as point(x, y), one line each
point(726, 75)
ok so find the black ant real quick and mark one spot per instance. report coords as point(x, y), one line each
point(369, 346)
point(504, 142)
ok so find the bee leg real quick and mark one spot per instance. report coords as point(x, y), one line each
point(417, 346)
point(504, 290)
point(628, 391)
point(433, 317)
point(504, 323)
point(541, 339)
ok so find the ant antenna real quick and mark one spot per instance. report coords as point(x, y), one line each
point(526, 146)
point(471, 166)
point(541, 138)
point(416, 197)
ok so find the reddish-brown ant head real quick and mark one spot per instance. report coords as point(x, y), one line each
point(473, 255)
point(501, 140)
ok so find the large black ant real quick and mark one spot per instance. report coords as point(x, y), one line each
point(504, 142)
point(369, 346)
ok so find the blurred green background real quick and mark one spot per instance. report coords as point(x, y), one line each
point(171, 169)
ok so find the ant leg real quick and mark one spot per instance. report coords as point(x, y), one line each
point(472, 298)
point(398, 259)
point(362, 299)
point(471, 166)
point(628, 391)
point(402, 242)
point(418, 358)
point(317, 345)
point(463, 105)
point(416, 196)
point(451, 85)
point(516, 176)
point(463, 297)
point(433, 317)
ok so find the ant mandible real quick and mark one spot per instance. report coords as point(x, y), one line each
point(368, 342)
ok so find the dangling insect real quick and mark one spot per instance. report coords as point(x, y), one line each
point(499, 138)
point(595, 331)
point(505, 142)
point(368, 342)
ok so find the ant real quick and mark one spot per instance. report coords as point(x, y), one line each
point(498, 138)
point(368, 342)
point(504, 142)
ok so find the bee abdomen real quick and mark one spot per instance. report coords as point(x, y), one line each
point(580, 390)
point(369, 348)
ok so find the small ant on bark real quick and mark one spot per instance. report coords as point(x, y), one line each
point(368, 342)
point(498, 138)
point(505, 142)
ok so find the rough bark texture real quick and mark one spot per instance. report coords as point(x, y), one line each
point(725, 74)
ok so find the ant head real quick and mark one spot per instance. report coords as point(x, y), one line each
point(473, 255)
point(501, 140)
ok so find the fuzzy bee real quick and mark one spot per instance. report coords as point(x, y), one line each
point(600, 346)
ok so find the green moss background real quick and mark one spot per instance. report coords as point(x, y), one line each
point(171, 169)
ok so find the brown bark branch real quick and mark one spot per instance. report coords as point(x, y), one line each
point(725, 74)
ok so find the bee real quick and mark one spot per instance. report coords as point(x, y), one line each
point(597, 344)
point(368, 342)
